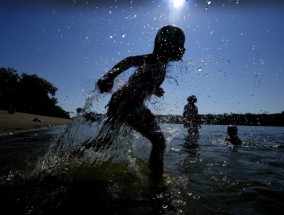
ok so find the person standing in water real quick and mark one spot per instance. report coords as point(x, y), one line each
point(191, 117)
point(127, 104)
point(232, 135)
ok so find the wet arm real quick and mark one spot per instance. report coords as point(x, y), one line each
point(105, 83)
point(123, 66)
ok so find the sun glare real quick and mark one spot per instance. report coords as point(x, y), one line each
point(177, 3)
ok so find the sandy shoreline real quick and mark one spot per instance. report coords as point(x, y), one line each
point(20, 122)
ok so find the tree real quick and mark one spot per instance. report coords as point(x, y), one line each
point(8, 87)
point(35, 95)
point(29, 93)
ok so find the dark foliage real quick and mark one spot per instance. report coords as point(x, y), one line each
point(245, 119)
point(236, 119)
point(29, 94)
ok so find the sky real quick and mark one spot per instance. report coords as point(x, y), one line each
point(234, 60)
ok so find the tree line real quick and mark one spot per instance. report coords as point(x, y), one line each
point(28, 94)
point(276, 119)
point(209, 119)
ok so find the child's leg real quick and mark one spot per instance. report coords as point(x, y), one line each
point(144, 121)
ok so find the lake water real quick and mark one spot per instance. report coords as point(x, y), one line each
point(210, 177)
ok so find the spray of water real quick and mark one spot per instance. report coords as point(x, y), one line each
point(94, 149)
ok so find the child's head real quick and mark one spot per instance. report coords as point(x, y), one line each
point(232, 130)
point(169, 43)
point(192, 99)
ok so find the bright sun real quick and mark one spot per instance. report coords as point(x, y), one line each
point(177, 3)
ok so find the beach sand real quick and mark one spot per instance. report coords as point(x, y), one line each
point(19, 122)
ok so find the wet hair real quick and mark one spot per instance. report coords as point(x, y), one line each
point(167, 37)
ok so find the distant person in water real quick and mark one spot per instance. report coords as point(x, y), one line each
point(232, 135)
point(127, 104)
point(191, 117)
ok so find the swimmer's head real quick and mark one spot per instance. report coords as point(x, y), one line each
point(232, 130)
point(169, 43)
point(192, 99)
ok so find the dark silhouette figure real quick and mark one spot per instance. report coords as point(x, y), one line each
point(191, 118)
point(232, 135)
point(127, 104)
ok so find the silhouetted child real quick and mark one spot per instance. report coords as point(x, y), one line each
point(127, 104)
point(191, 117)
point(232, 135)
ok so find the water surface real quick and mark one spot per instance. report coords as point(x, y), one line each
point(205, 177)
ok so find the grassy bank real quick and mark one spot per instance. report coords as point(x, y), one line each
point(11, 123)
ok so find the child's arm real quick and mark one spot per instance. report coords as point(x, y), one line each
point(105, 83)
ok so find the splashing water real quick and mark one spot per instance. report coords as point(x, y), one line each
point(115, 172)
point(73, 161)
point(62, 159)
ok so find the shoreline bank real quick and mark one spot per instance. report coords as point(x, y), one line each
point(25, 122)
